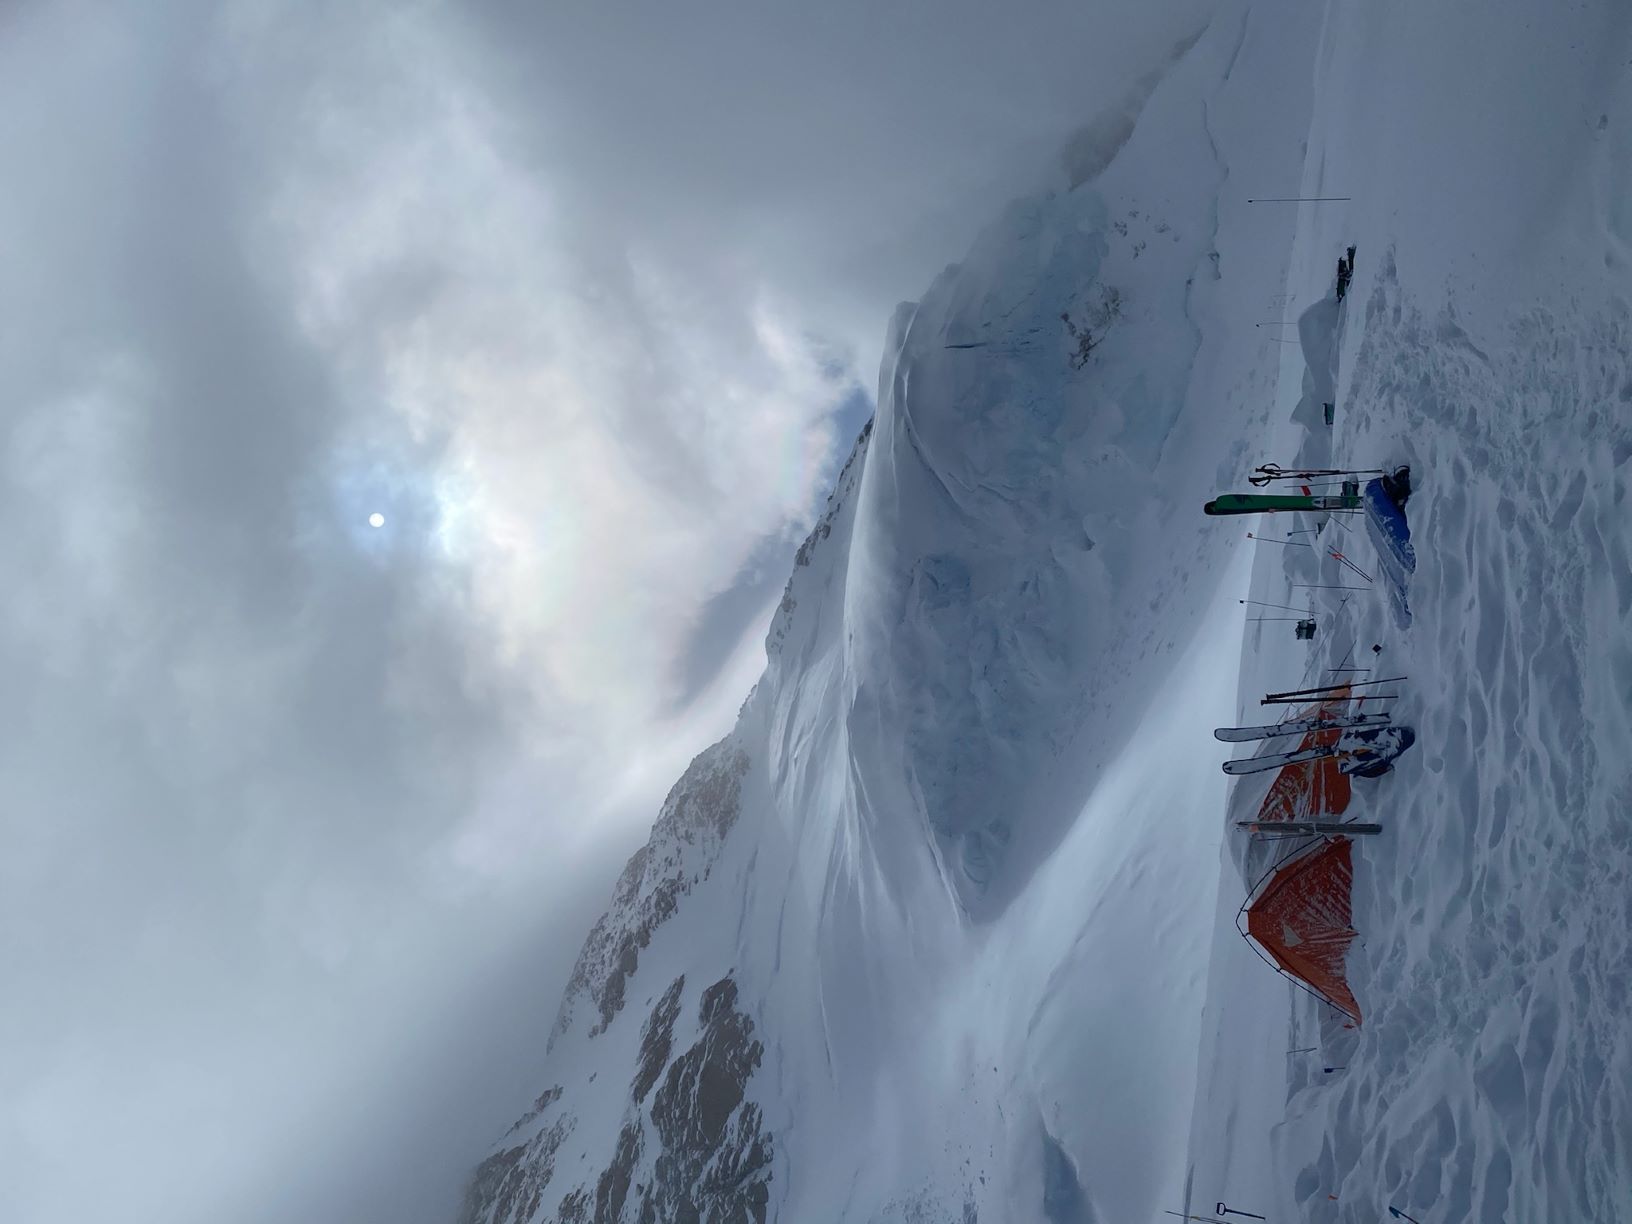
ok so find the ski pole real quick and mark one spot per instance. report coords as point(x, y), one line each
point(1258, 539)
point(1284, 607)
point(1307, 700)
point(1296, 199)
point(1400, 1215)
point(1274, 471)
point(1332, 552)
point(1223, 1210)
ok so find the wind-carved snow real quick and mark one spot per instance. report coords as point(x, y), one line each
point(1015, 491)
point(1496, 914)
point(1485, 341)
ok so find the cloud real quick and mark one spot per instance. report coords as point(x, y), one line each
point(586, 303)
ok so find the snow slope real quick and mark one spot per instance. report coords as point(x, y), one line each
point(1486, 343)
point(942, 929)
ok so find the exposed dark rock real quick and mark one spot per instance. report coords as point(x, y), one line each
point(715, 1158)
point(656, 1040)
point(547, 1098)
point(699, 811)
point(487, 1185)
point(574, 1208)
point(704, 1153)
point(612, 1190)
point(508, 1186)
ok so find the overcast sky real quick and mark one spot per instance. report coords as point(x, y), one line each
point(304, 819)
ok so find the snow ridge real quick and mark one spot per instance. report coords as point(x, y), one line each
point(699, 812)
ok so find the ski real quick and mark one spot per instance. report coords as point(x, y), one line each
point(1297, 726)
point(1261, 503)
point(1367, 752)
point(1275, 760)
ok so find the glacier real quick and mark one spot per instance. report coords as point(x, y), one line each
point(943, 930)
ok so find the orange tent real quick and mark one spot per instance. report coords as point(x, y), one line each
point(1301, 919)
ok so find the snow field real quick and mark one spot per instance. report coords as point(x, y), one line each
point(1485, 342)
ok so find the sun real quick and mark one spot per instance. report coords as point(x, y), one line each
point(376, 519)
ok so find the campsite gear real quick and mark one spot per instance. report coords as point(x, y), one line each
point(1296, 726)
point(1384, 501)
point(1300, 921)
point(1367, 751)
point(1268, 503)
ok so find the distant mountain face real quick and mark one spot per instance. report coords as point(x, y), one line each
point(688, 1146)
point(673, 1132)
point(857, 973)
